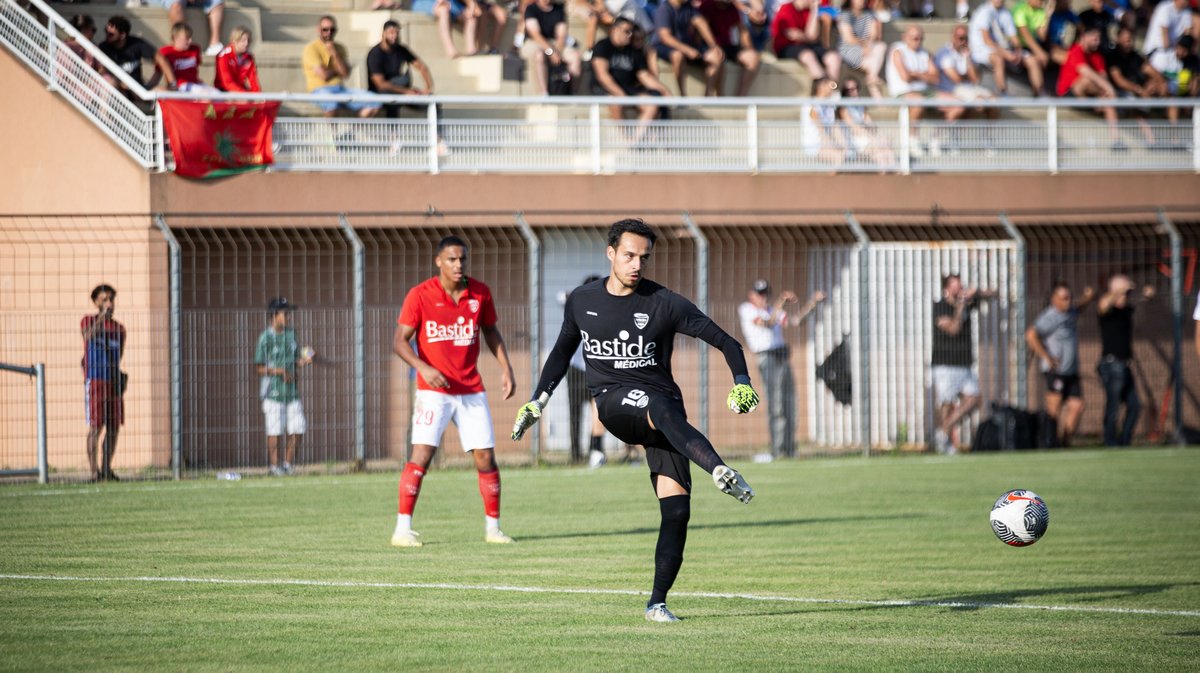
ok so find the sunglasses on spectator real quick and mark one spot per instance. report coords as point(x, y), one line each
point(328, 29)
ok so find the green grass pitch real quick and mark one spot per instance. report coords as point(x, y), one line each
point(838, 564)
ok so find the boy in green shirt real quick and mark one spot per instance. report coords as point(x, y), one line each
point(276, 359)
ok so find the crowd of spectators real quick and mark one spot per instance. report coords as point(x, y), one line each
point(630, 45)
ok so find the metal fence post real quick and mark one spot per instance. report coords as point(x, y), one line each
point(174, 325)
point(702, 303)
point(160, 140)
point(752, 136)
point(360, 335)
point(862, 354)
point(535, 318)
point(1052, 139)
point(905, 141)
point(594, 132)
point(1196, 138)
point(42, 457)
point(431, 136)
point(1176, 319)
point(1018, 321)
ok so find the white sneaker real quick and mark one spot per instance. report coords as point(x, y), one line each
point(597, 459)
point(214, 50)
point(275, 471)
point(659, 613)
point(763, 458)
point(942, 443)
point(406, 538)
point(497, 537)
point(729, 481)
point(286, 468)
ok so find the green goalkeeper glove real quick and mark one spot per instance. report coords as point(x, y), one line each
point(742, 399)
point(526, 417)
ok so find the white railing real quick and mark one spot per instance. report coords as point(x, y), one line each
point(41, 49)
point(511, 134)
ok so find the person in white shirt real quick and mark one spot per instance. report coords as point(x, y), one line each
point(1170, 20)
point(762, 325)
point(911, 74)
point(993, 42)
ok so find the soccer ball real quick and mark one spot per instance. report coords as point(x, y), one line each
point(1020, 518)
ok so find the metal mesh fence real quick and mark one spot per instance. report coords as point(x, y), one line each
point(861, 361)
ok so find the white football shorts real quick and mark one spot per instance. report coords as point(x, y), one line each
point(284, 418)
point(432, 411)
point(949, 382)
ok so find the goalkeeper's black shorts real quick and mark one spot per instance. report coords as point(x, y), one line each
point(623, 412)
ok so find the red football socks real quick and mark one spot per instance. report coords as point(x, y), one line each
point(489, 488)
point(410, 487)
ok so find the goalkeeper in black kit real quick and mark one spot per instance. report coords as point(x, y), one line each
point(627, 326)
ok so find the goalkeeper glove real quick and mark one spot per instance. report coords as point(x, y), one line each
point(742, 399)
point(527, 415)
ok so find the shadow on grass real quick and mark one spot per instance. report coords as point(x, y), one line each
point(1077, 594)
point(732, 524)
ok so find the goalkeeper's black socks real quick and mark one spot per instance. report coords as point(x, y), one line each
point(672, 536)
point(671, 421)
point(596, 443)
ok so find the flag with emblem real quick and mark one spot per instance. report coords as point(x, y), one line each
point(211, 140)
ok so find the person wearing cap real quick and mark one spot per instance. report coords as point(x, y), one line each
point(762, 324)
point(276, 359)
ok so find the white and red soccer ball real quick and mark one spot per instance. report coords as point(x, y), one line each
point(1020, 518)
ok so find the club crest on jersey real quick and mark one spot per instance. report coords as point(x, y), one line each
point(641, 320)
point(462, 333)
point(473, 305)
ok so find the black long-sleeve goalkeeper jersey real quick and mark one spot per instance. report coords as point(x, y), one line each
point(628, 341)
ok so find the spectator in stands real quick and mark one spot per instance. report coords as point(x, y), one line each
point(214, 9)
point(862, 46)
point(1097, 15)
point(620, 69)
point(185, 60)
point(104, 382)
point(827, 15)
point(912, 75)
point(386, 4)
point(604, 13)
point(954, 381)
point(87, 28)
point(822, 135)
point(1182, 68)
point(1032, 20)
point(865, 142)
point(1170, 20)
point(1115, 310)
point(1054, 338)
point(725, 20)
point(1085, 75)
point(993, 44)
point(958, 75)
point(759, 15)
point(326, 65)
point(1062, 31)
point(1132, 75)
point(277, 356)
point(470, 13)
point(557, 65)
point(795, 32)
point(682, 37)
point(389, 69)
point(127, 52)
point(236, 70)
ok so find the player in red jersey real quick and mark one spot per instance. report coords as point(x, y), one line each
point(447, 314)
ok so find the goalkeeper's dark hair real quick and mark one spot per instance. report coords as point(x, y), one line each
point(120, 24)
point(632, 225)
point(449, 241)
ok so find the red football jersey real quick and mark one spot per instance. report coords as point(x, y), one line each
point(185, 64)
point(448, 333)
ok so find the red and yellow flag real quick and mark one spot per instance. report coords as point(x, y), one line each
point(211, 139)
